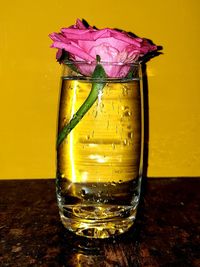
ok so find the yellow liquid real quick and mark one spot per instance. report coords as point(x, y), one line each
point(105, 146)
point(99, 163)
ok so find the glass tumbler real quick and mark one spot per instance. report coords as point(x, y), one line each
point(99, 163)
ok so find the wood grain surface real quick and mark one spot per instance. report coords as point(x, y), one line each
point(166, 232)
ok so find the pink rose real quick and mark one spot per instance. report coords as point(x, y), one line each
point(117, 50)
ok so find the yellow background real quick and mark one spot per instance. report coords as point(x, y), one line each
point(29, 80)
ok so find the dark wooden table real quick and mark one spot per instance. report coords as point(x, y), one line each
point(166, 233)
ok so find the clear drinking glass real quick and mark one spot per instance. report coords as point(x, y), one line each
point(99, 164)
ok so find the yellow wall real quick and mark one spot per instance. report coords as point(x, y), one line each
point(29, 80)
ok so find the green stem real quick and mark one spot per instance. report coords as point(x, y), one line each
point(98, 73)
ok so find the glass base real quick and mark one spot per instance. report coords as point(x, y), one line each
point(101, 221)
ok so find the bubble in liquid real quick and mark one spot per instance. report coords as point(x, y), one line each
point(130, 135)
point(113, 107)
point(127, 113)
point(83, 193)
point(113, 146)
point(125, 142)
point(62, 175)
point(124, 91)
point(96, 113)
point(108, 123)
point(64, 119)
point(102, 106)
point(99, 193)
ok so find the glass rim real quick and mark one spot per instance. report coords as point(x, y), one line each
point(94, 62)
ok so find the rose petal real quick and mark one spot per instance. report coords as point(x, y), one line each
point(84, 43)
point(74, 50)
